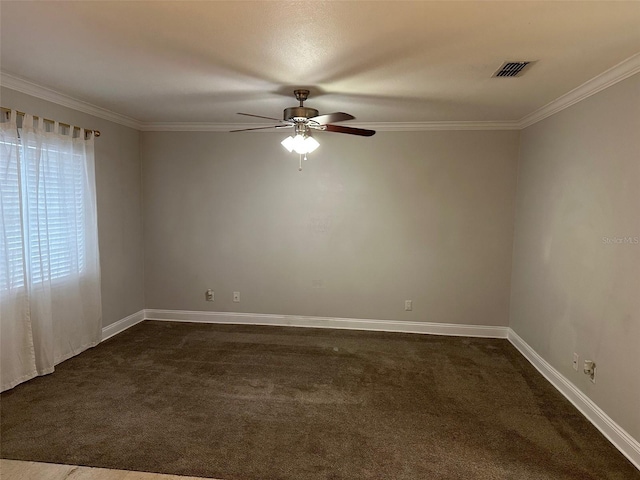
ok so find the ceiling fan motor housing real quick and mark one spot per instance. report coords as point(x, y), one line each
point(305, 119)
point(299, 113)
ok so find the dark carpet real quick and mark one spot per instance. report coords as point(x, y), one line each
point(272, 403)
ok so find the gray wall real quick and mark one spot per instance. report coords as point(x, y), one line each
point(368, 223)
point(119, 199)
point(371, 222)
point(573, 290)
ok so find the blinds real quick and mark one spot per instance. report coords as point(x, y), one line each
point(53, 195)
point(10, 205)
point(55, 199)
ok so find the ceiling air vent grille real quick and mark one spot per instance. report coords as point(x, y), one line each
point(511, 69)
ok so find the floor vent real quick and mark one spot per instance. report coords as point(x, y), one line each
point(511, 69)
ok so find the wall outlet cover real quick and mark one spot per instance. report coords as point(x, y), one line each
point(590, 370)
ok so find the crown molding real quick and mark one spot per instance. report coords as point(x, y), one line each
point(30, 88)
point(619, 72)
point(200, 126)
point(379, 127)
point(437, 126)
point(616, 74)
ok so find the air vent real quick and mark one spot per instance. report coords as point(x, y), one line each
point(511, 69)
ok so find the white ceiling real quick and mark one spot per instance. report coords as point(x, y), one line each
point(380, 61)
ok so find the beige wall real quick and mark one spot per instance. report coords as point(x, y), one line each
point(368, 223)
point(118, 191)
point(579, 185)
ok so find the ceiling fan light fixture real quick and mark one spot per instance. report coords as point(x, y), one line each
point(303, 119)
point(300, 144)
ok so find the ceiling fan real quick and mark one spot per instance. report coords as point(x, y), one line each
point(304, 119)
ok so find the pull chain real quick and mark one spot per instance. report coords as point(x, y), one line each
point(305, 159)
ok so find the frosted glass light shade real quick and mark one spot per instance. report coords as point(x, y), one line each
point(288, 143)
point(300, 144)
point(311, 144)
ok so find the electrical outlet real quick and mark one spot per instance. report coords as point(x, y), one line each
point(408, 305)
point(236, 297)
point(576, 360)
point(208, 295)
point(590, 370)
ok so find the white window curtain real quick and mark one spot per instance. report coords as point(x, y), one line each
point(50, 305)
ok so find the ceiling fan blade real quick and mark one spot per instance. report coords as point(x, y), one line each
point(260, 116)
point(350, 130)
point(261, 128)
point(332, 118)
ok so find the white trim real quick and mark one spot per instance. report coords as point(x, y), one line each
point(438, 126)
point(38, 91)
point(624, 442)
point(623, 70)
point(121, 325)
point(30, 88)
point(379, 126)
point(203, 127)
point(327, 322)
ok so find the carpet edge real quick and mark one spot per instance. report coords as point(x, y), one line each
point(623, 441)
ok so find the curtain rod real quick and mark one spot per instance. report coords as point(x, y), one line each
point(96, 133)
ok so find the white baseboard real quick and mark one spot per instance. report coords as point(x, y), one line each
point(121, 325)
point(328, 322)
point(624, 442)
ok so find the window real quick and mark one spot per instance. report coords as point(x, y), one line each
point(45, 186)
point(50, 304)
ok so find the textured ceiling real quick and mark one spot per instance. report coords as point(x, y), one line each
point(380, 61)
